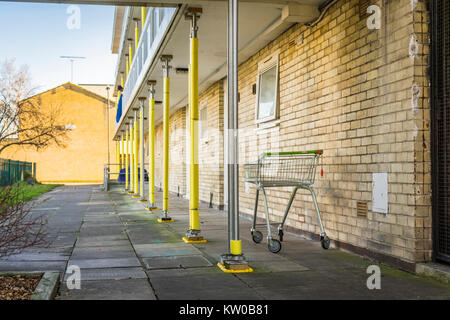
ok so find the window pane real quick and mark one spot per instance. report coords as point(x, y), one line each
point(267, 93)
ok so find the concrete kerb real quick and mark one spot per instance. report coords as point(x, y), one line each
point(436, 271)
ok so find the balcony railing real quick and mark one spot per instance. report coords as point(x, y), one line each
point(157, 22)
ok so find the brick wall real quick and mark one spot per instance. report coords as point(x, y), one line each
point(348, 90)
point(211, 147)
point(177, 156)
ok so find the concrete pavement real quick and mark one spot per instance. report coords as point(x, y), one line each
point(124, 253)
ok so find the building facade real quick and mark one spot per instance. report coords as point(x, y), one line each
point(351, 77)
point(81, 159)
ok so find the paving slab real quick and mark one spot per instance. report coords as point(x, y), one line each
point(126, 289)
point(281, 265)
point(82, 242)
point(111, 274)
point(105, 263)
point(103, 252)
point(32, 265)
point(34, 256)
point(170, 262)
point(171, 249)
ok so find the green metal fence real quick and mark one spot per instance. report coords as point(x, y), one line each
point(12, 171)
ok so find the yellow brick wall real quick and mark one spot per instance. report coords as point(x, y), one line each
point(347, 89)
point(85, 153)
point(177, 155)
point(211, 149)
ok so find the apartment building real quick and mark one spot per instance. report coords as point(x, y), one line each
point(85, 151)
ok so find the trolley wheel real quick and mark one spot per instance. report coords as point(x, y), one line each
point(325, 241)
point(274, 245)
point(280, 234)
point(257, 236)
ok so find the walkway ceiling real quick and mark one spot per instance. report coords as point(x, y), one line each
point(164, 3)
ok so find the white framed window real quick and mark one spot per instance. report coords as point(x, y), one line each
point(267, 91)
point(203, 124)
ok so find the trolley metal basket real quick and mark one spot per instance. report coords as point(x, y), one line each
point(283, 169)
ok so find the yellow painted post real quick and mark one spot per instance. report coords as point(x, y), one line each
point(127, 143)
point(166, 144)
point(141, 150)
point(136, 154)
point(136, 33)
point(151, 146)
point(127, 62)
point(131, 189)
point(130, 51)
point(165, 218)
point(121, 152)
point(117, 165)
point(143, 17)
point(193, 234)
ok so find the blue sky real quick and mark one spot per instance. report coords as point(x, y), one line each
point(36, 34)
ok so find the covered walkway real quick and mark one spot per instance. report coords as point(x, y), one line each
point(124, 253)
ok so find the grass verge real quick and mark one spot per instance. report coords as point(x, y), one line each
point(31, 191)
point(24, 192)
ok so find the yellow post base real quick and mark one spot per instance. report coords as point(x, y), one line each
point(224, 269)
point(142, 201)
point(136, 196)
point(161, 220)
point(194, 240)
point(151, 208)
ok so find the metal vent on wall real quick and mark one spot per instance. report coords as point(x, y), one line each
point(361, 209)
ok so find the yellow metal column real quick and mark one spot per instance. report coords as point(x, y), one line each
point(136, 32)
point(151, 146)
point(131, 151)
point(126, 147)
point(127, 62)
point(130, 51)
point(165, 218)
point(141, 150)
point(117, 165)
point(136, 154)
point(143, 16)
point(193, 234)
point(121, 152)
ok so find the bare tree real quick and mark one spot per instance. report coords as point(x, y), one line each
point(24, 120)
point(19, 227)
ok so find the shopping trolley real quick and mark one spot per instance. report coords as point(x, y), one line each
point(283, 169)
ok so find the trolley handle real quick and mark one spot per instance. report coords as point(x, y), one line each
point(317, 152)
point(289, 153)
